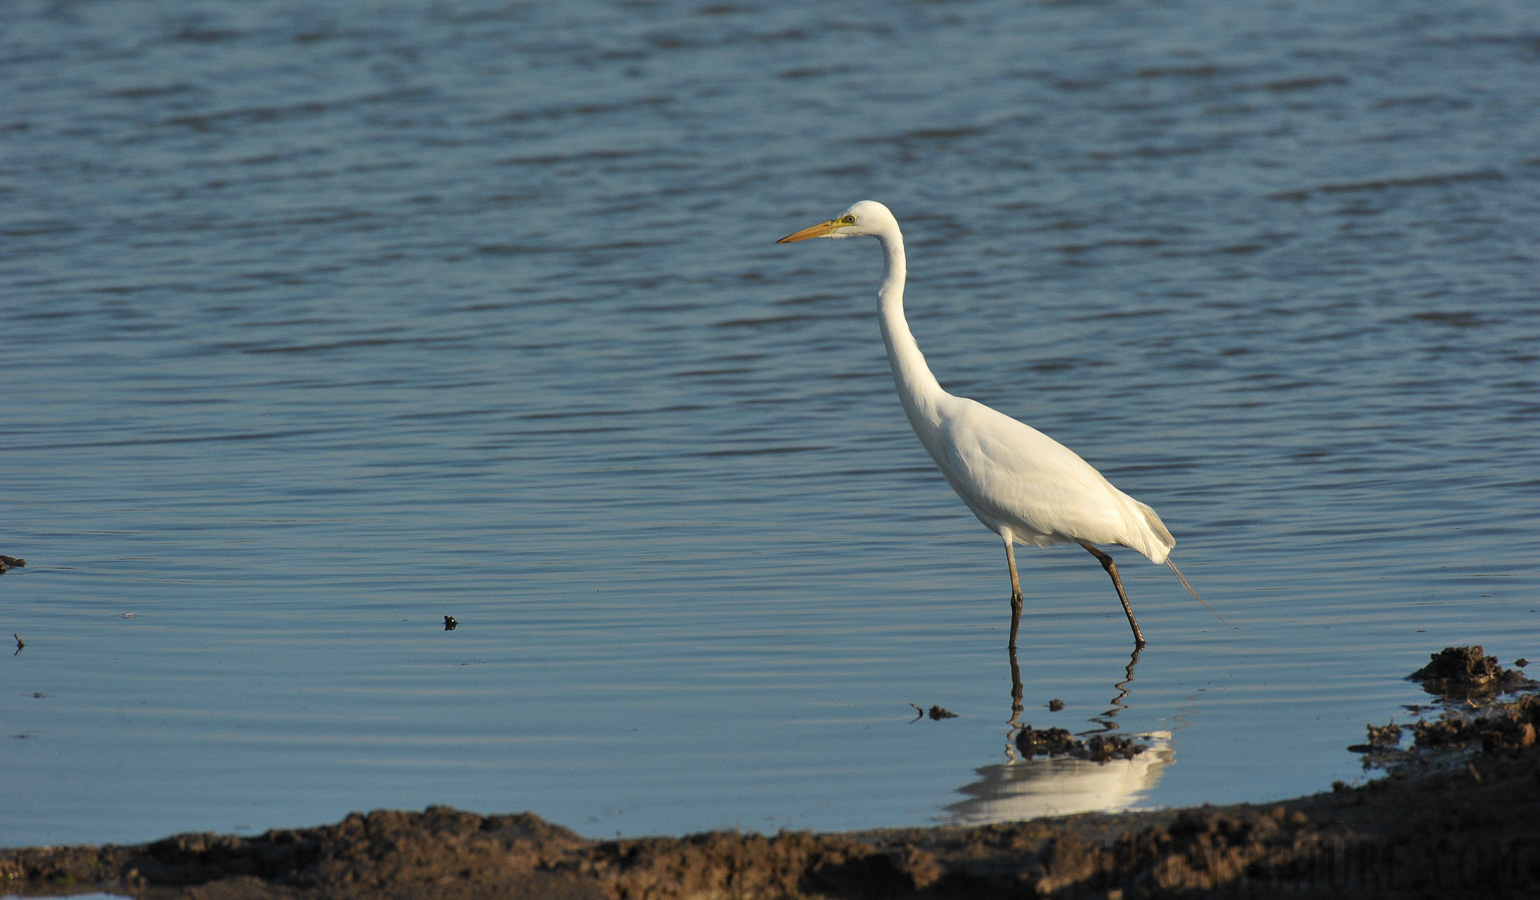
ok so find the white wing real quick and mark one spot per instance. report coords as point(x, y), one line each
point(1013, 475)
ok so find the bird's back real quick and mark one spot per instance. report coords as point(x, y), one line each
point(1013, 476)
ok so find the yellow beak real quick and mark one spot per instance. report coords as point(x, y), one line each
point(820, 230)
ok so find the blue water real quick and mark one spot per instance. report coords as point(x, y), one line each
point(318, 324)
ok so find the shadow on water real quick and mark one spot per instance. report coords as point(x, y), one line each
point(1028, 787)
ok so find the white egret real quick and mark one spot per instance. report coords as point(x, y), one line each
point(1022, 484)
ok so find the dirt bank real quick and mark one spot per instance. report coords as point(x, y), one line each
point(1459, 817)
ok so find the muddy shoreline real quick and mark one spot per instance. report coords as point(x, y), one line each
point(1457, 814)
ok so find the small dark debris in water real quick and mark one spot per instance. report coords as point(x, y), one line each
point(39, 695)
point(1059, 742)
point(1055, 705)
point(19, 643)
point(10, 562)
point(936, 713)
point(1521, 662)
point(1460, 673)
point(450, 623)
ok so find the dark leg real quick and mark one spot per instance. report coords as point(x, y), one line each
point(1112, 569)
point(1015, 723)
point(1016, 690)
point(1010, 558)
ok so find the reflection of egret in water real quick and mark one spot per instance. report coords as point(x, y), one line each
point(1108, 719)
point(1059, 786)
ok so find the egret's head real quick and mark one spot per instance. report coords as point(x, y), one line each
point(865, 217)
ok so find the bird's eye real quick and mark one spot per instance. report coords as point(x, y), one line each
point(848, 220)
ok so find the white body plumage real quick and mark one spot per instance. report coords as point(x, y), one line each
point(1017, 479)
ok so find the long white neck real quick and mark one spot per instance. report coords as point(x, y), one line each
point(917, 387)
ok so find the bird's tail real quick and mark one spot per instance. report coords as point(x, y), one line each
point(1153, 539)
point(1183, 579)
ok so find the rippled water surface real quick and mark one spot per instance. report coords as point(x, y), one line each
point(322, 322)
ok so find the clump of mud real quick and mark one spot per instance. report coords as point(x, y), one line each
point(1502, 728)
point(1471, 684)
point(1384, 735)
point(1059, 742)
point(1462, 673)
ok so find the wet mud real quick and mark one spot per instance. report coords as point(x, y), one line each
point(1466, 827)
point(1059, 742)
point(1460, 673)
point(1474, 716)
